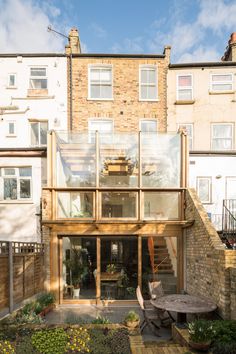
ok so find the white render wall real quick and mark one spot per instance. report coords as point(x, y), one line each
point(52, 108)
point(18, 219)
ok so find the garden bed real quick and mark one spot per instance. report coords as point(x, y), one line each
point(59, 339)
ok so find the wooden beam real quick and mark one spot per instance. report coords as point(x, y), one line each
point(140, 261)
point(98, 275)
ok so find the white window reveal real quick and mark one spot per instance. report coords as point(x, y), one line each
point(184, 87)
point(100, 82)
point(148, 83)
point(16, 182)
point(221, 82)
point(222, 136)
point(204, 189)
point(148, 126)
point(104, 127)
point(38, 132)
point(11, 80)
point(11, 128)
point(38, 78)
point(189, 129)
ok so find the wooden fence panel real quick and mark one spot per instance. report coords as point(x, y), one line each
point(4, 282)
point(29, 276)
point(38, 273)
point(18, 278)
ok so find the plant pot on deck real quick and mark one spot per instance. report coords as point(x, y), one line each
point(76, 293)
point(132, 324)
point(200, 346)
point(46, 310)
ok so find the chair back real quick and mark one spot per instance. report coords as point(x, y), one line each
point(155, 289)
point(140, 297)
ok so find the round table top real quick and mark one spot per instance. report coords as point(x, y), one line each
point(184, 303)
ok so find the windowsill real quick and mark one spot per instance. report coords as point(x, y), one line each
point(221, 92)
point(11, 136)
point(16, 201)
point(180, 102)
point(147, 100)
point(11, 87)
point(100, 99)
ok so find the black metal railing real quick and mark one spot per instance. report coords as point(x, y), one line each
point(229, 223)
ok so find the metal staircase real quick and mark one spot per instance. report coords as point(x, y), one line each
point(229, 223)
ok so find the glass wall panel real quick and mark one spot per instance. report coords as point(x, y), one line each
point(161, 205)
point(119, 267)
point(75, 205)
point(79, 267)
point(76, 160)
point(119, 205)
point(159, 263)
point(119, 160)
point(160, 156)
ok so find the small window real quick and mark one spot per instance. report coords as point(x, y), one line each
point(11, 128)
point(100, 82)
point(222, 136)
point(38, 78)
point(189, 129)
point(221, 82)
point(184, 87)
point(148, 126)
point(119, 204)
point(105, 129)
point(38, 133)
point(148, 83)
point(204, 189)
point(11, 80)
point(16, 183)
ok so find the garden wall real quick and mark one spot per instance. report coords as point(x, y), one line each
point(210, 268)
point(22, 273)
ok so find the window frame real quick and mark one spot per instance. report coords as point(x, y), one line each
point(221, 82)
point(99, 66)
point(184, 87)
point(39, 135)
point(146, 67)
point(8, 134)
point(38, 77)
point(8, 81)
point(143, 120)
point(18, 178)
point(100, 197)
point(232, 136)
point(190, 138)
point(209, 178)
point(91, 120)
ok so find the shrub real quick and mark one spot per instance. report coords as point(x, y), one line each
point(6, 347)
point(119, 341)
point(99, 343)
point(52, 341)
point(46, 299)
point(31, 317)
point(131, 316)
point(101, 320)
point(25, 346)
point(200, 331)
point(78, 340)
point(224, 331)
point(224, 348)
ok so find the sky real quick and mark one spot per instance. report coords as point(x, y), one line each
point(197, 30)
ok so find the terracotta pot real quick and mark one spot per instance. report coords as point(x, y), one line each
point(47, 310)
point(200, 346)
point(132, 324)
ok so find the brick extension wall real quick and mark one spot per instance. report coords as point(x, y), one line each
point(125, 109)
point(210, 268)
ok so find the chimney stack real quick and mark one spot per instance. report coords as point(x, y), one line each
point(73, 47)
point(230, 52)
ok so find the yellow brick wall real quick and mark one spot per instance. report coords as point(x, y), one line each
point(125, 109)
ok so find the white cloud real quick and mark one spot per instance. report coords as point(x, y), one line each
point(23, 27)
point(98, 30)
point(201, 54)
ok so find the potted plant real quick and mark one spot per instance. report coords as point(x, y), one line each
point(111, 268)
point(77, 269)
point(200, 334)
point(132, 319)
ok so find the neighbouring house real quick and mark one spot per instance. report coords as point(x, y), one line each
point(202, 99)
point(33, 100)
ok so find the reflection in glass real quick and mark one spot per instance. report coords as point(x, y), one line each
point(119, 160)
point(79, 267)
point(159, 263)
point(75, 160)
point(119, 205)
point(75, 205)
point(161, 205)
point(160, 160)
point(119, 267)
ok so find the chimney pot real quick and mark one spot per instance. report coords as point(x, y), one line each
point(233, 37)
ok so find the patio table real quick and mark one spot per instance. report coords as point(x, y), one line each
point(183, 304)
